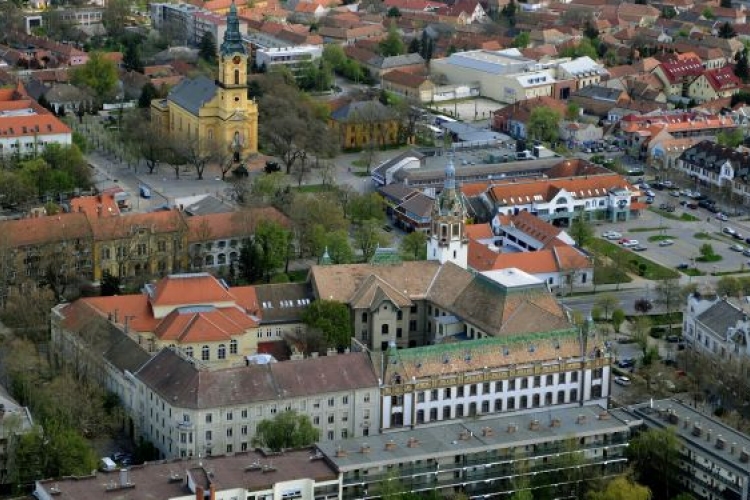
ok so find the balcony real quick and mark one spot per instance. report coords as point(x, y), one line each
point(185, 425)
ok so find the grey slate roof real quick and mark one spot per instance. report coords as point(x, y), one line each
point(721, 316)
point(402, 60)
point(599, 92)
point(283, 302)
point(712, 156)
point(191, 94)
point(185, 386)
point(362, 111)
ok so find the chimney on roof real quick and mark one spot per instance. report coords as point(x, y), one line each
point(212, 490)
point(390, 445)
point(199, 494)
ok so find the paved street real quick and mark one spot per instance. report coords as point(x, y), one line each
point(627, 298)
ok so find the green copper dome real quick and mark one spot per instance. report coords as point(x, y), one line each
point(232, 43)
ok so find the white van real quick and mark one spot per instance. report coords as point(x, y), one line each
point(107, 464)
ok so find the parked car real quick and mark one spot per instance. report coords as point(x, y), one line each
point(650, 193)
point(622, 380)
point(627, 243)
point(673, 339)
point(639, 248)
point(737, 248)
point(737, 236)
point(676, 194)
point(746, 252)
point(692, 205)
point(683, 265)
point(666, 243)
point(668, 184)
point(721, 217)
point(683, 202)
point(712, 208)
point(728, 230)
point(626, 363)
point(649, 200)
point(611, 235)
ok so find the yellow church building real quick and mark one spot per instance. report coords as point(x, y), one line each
point(214, 114)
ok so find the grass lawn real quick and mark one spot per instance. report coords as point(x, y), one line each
point(610, 275)
point(729, 273)
point(631, 261)
point(702, 235)
point(298, 276)
point(693, 272)
point(660, 237)
point(646, 229)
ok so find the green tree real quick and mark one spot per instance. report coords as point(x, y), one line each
point(621, 488)
point(590, 31)
point(729, 286)
point(522, 40)
point(509, 12)
point(581, 231)
point(607, 302)
point(392, 45)
point(618, 317)
point(148, 94)
point(668, 12)
point(288, 430)
point(368, 237)
point(393, 12)
point(110, 285)
point(115, 16)
point(332, 319)
point(98, 74)
point(272, 240)
point(250, 261)
point(730, 138)
point(367, 206)
point(543, 124)
point(669, 295)
point(414, 246)
point(655, 455)
point(742, 70)
point(207, 48)
point(131, 57)
point(707, 252)
point(339, 249)
point(707, 13)
point(727, 31)
point(573, 112)
point(640, 328)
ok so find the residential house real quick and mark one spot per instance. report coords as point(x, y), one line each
point(709, 163)
point(462, 12)
point(409, 6)
point(67, 97)
point(638, 129)
point(378, 66)
point(362, 123)
point(241, 476)
point(583, 70)
point(718, 326)
point(194, 416)
point(714, 84)
point(514, 118)
point(598, 100)
point(296, 59)
point(409, 85)
point(348, 36)
point(577, 133)
point(677, 76)
point(26, 127)
point(409, 208)
point(211, 23)
point(637, 15)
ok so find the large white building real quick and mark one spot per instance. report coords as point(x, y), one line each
point(290, 57)
point(718, 326)
point(507, 76)
point(186, 410)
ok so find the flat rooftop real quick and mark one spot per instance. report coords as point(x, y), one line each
point(161, 480)
point(512, 277)
point(471, 436)
point(684, 420)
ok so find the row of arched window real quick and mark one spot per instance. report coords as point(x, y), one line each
point(221, 351)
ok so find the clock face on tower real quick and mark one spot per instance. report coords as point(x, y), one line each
point(237, 59)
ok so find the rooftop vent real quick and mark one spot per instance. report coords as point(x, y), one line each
point(390, 445)
point(487, 431)
point(365, 448)
point(744, 456)
point(555, 422)
point(720, 443)
point(581, 419)
point(534, 425)
point(604, 415)
point(412, 442)
point(341, 452)
point(512, 428)
point(697, 431)
point(464, 435)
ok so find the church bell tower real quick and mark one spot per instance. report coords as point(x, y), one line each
point(448, 242)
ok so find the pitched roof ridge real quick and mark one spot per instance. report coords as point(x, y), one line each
point(185, 330)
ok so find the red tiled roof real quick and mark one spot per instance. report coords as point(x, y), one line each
point(190, 289)
point(675, 71)
point(103, 204)
point(478, 231)
point(47, 229)
point(722, 78)
point(404, 78)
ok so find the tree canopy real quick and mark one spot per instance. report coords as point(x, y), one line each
point(543, 124)
point(332, 319)
point(621, 488)
point(288, 430)
point(99, 74)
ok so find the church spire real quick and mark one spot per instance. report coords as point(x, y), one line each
point(232, 43)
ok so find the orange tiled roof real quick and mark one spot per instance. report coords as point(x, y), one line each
point(47, 229)
point(103, 204)
point(478, 231)
point(481, 258)
point(568, 257)
point(190, 289)
point(188, 325)
point(522, 192)
point(135, 307)
point(112, 228)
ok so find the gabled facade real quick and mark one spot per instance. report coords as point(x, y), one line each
point(714, 84)
point(718, 327)
point(677, 76)
point(714, 164)
point(360, 124)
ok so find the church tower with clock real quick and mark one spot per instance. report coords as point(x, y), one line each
point(214, 114)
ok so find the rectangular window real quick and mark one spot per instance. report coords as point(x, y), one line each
point(331, 402)
point(486, 388)
point(229, 432)
point(574, 376)
point(524, 383)
point(512, 384)
point(459, 411)
point(420, 397)
point(562, 377)
point(537, 381)
point(434, 395)
point(209, 418)
point(473, 390)
point(460, 391)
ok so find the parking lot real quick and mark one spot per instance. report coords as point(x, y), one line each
point(687, 235)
